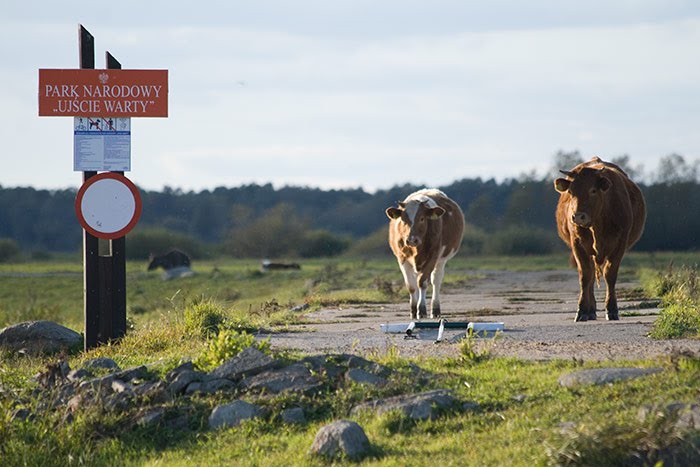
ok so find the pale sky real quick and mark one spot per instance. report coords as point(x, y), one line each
point(370, 94)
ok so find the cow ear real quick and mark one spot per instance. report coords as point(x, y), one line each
point(436, 213)
point(393, 213)
point(604, 184)
point(562, 185)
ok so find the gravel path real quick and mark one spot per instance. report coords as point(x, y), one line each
point(537, 309)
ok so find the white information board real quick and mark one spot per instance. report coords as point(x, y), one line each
point(101, 143)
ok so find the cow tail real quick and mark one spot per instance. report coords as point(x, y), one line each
point(598, 273)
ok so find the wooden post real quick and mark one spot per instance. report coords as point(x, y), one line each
point(90, 243)
point(118, 262)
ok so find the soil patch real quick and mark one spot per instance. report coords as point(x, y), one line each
point(536, 307)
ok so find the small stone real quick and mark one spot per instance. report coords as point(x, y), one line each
point(341, 437)
point(78, 375)
point(360, 376)
point(294, 415)
point(102, 363)
point(231, 415)
point(250, 361)
point(183, 379)
point(422, 406)
point(295, 378)
point(152, 417)
point(120, 386)
point(600, 376)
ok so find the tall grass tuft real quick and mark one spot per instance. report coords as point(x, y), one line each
point(679, 290)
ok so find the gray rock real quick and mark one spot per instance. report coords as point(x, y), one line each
point(183, 379)
point(294, 378)
point(230, 415)
point(341, 437)
point(36, 337)
point(248, 362)
point(101, 363)
point(360, 376)
point(22, 415)
point(121, 386)
point(211, 386)
point(103, 384)
point(78, 375)
point(151, 417)
point(294, 415)
point(172, 374)
point(689, 418)
point(375, 368)
point(422, 406)
point(599, 376)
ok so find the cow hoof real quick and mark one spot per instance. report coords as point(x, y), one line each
point(612, 316)
point(435, 315)
point(592, 316)
point(581, 317)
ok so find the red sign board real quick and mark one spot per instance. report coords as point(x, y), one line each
point(103, 93)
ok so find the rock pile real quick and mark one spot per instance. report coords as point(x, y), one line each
point(250, 378)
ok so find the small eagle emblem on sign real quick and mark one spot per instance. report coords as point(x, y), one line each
point(103, 77)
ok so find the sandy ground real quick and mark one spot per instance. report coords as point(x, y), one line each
point(536, 308)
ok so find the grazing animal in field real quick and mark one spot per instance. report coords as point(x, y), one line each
point(600, 215)
point(425, 231)
point(170, 260)
point(268, 265)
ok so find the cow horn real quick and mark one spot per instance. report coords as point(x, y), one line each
point(401, 204)
point(568, 174)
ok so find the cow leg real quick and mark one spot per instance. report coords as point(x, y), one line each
point(610, 271)
point(436, 278)
point(411, 279)
point(586, 277)
point(423, 290)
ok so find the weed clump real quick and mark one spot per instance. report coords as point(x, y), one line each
point(679, 290)
point(204, 318)
point(227, 344)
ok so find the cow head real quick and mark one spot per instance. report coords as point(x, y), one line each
point(587, 189)
point(413, 220)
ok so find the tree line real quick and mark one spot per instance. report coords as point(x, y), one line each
point(514, 216)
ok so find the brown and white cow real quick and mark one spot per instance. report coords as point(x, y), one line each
point(425, 231)
point(601, 214)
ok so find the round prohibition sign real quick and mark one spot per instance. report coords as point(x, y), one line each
point(108, 205)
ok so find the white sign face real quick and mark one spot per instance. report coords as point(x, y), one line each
point(101, 143)
point(108, 205)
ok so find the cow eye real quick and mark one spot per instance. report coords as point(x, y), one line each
point(593, 191)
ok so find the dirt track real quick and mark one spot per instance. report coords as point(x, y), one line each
point(537, 309)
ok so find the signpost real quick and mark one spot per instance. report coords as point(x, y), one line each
point(108, 205)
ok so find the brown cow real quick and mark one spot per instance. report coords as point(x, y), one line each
point(424, 232)
point(600, 215)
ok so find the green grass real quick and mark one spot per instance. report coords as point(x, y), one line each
point(524, 416)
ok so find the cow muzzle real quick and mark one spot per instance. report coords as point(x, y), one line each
point(582, 219)
point(413, 241)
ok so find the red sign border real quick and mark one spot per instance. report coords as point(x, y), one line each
point(137, 209)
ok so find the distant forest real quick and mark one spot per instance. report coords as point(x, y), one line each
point(261, 221)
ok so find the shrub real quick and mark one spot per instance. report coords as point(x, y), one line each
point(473, 241)
point(9, 250)
point(373, 245)
point(520, 241)
point(321, 243)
